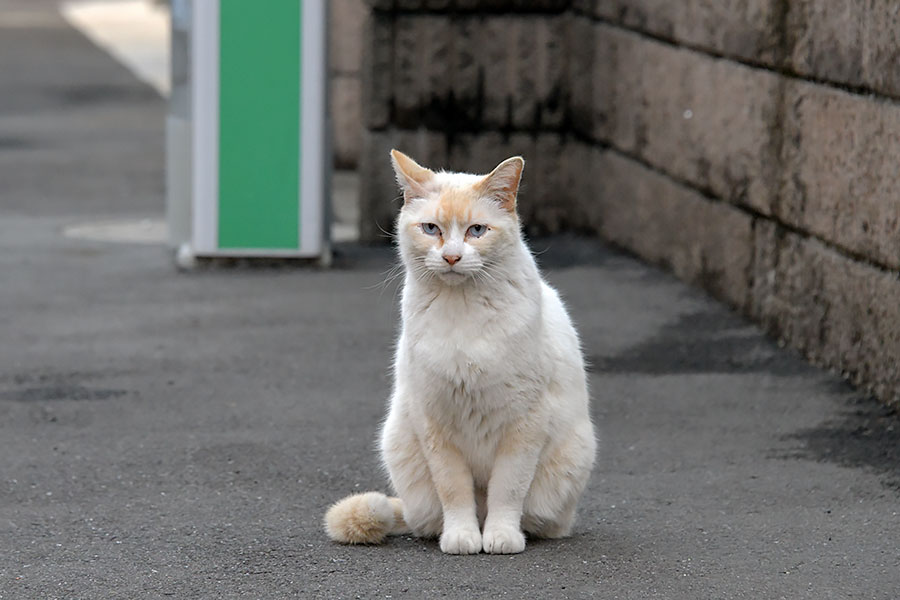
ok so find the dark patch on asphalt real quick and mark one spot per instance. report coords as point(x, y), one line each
point(61, 392)
point(13, 143)
point(54, 387)
point(866, 434)
point(714, 341)
point(362, 255)
point(85, 94)
point(568, 250)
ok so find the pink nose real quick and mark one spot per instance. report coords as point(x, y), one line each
point(451, 258)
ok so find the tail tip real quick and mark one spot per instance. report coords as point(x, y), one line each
point(360, 519)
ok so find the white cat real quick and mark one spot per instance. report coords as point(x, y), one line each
point(488, 432)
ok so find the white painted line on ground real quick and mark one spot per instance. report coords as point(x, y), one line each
point(135, 32)
point(134, 231)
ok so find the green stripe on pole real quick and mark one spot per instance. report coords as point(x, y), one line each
point(259, 124)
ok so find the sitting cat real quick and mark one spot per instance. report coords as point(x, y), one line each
point(488, 433)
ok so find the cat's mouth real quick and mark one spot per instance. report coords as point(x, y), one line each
point(452, 276)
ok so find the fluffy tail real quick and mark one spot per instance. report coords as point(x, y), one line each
point(365, 519)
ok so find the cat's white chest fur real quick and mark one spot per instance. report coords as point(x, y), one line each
point(466, 338)
point(473, 362)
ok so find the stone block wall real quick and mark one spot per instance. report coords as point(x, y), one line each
point(750, 146)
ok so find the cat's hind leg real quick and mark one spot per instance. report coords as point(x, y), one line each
point(410, 477)
point(557, 525)
point(560, 478)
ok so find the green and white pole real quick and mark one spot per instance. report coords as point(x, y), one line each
point(259, 149)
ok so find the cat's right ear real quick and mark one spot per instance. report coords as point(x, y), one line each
point(412, 177)
point(502, 184)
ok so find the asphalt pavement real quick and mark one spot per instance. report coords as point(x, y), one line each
point(180, 434)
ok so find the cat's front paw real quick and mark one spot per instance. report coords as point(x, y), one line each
point(503, 539)
point(461, 540)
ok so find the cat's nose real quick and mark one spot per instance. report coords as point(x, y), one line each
point(451, 258)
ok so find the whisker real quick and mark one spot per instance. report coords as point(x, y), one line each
point(388, 277)
point(493, 270)
point(486, 274)
point(385, 233)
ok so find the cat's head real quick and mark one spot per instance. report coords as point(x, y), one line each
point(455, 226)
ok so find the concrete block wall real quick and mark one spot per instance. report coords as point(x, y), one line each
point(345, 38)
point(464, 84)
point(750, 146)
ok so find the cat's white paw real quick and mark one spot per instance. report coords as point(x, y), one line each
point(460, 540)
point(503, 539)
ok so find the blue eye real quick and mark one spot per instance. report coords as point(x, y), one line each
point(431, 229)
point(477, 230)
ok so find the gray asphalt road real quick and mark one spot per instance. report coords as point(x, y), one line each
point(78, 134)
point(180, 435)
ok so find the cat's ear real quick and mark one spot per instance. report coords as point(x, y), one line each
point(411, 176)
point(502, 184)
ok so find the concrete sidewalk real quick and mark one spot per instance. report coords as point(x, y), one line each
point(180, 435)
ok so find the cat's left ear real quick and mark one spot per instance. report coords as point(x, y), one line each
point(502, 184)
point(411, 176)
